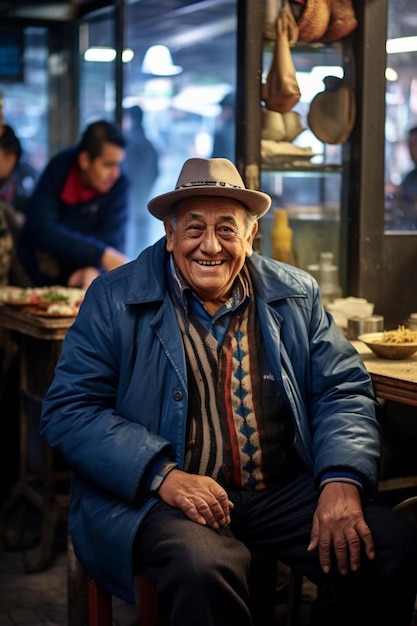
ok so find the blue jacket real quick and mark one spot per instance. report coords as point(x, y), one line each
point(75, 235)
point(119, 397)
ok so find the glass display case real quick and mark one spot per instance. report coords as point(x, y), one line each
point(401, 121)
point(304, 178)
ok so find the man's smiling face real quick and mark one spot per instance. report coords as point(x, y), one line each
point(210, 241)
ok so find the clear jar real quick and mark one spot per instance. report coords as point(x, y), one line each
point(328, 278)
point(411, 323)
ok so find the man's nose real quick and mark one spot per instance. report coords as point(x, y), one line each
point(210, 242)
point(115, 171)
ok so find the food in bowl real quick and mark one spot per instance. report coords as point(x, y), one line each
point(400, 335)
point(392, 344)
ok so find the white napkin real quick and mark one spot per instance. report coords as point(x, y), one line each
point(343, 308)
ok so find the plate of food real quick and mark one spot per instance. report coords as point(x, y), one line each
point(21, 297)
point(56, 301)
point(54, 310)
point(400, 343)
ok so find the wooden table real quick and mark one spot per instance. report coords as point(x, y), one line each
point(392, 380)
point(43, 477)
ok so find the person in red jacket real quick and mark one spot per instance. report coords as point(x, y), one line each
point(76, 218)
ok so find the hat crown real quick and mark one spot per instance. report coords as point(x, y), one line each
point(216, 172)
point(209, 177)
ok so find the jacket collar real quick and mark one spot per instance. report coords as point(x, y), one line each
point(275, 281)
point(148, 280)
point(271, 281)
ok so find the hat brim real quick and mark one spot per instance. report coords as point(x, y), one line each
point(257, 201)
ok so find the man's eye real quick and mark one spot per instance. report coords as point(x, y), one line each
point(226, 231)
point(194, 229)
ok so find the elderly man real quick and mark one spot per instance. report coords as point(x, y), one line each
point(209, 405)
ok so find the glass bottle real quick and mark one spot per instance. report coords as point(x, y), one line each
point(281, 238)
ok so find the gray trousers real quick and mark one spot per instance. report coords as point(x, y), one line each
point(201, 574)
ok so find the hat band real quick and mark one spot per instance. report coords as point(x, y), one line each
point(207, 183)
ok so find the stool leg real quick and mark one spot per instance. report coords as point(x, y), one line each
point(294, 598)
point(100, 605)
point(262, 589)
point(77, 589)
point(149, 612)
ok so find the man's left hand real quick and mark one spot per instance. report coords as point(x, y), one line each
point(339, 526)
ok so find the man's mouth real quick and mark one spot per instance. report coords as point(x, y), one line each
point(209, 263)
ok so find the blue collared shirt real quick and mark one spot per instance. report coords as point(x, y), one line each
point(218, 323)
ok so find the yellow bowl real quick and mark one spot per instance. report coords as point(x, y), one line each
point(385, 350)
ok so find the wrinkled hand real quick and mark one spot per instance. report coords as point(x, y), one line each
point(339, 524)
point(199, 497)
point(83, 277)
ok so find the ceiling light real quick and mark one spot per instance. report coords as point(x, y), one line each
point(127, 55)
point(158, 61)
point(100, 54)
point(401, 44)
point(391, 75)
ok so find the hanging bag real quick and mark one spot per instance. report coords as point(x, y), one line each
point(332, 112)
point(281, 91)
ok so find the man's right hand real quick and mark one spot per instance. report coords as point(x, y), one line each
point(83, 277)
point(112, 258)
point(201, 498)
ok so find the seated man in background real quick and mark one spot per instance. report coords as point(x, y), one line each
point(13, 197)
point(13, 172)
point(76, 217)
point(409, 183)
point(224, 141)
point(142, 167)
point(208, 404)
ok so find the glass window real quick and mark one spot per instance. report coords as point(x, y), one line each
point(97, 68)
point(401, 118)
point(179, 67)
point(304, 176)
point(183, 67)
point(25, 106)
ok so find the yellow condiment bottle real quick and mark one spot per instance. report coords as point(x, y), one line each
point(281, 238)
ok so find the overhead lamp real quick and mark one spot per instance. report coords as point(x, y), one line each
point(401, 44)
point(101, 54)
point(158, 61)
point(391, 75)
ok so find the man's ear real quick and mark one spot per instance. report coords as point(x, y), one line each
point(84, 160)
point(169, 231)
point(250, 238)
point(10, 159)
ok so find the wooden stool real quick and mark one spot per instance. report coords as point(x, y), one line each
point(100, 605)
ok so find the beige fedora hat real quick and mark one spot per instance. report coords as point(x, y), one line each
point(209, 177)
